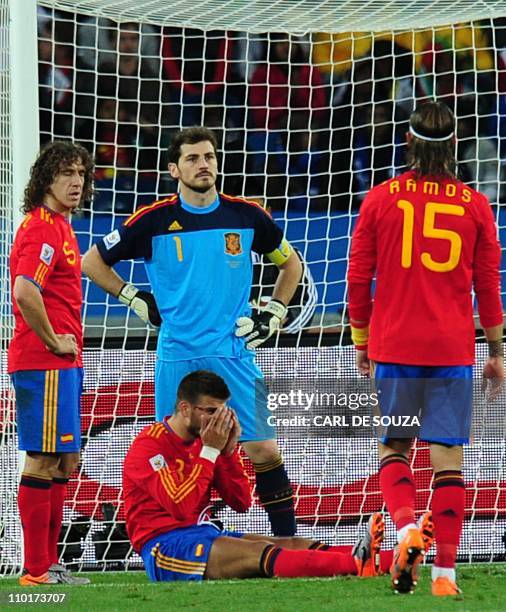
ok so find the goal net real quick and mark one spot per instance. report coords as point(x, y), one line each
point(310, 103)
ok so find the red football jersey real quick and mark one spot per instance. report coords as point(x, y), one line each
point(429, 244)
point(45, 250)
point(167, 485)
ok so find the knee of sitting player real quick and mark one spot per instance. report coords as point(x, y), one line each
point(234, 558)
point(293, 543)
point(394, 445)
point(445, 457)
point(262, 451)
point(67, 464)
point(41, 465)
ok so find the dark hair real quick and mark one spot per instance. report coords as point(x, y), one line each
point(202, 382)
point(51, 160)
point(191, 135)
point(433, 158)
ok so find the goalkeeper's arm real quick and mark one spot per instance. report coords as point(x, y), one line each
point(257, 328)
point(141, 302)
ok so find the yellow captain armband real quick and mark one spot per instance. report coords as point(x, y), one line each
point(280, 255)
point(360, 337)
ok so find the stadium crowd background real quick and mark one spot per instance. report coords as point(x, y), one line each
point(92, 73)
point(308, 124)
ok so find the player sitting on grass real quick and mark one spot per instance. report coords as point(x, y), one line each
point(167, 479)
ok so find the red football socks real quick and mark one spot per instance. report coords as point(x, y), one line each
point(286, 563)
point(336, 549)
point(448, 506)
point(58, 492)
point(398, 487)
point(34, 503)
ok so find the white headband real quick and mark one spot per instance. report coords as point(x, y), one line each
point(430, 138)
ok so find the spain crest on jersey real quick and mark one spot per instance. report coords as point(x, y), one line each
point(233, 243)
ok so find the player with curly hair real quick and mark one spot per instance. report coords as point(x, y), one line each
point(45, 354)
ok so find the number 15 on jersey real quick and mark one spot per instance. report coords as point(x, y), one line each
point(432, 209)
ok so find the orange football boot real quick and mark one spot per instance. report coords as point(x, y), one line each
point(426, 527)
point(367, 550)
point(407, 556)
point(27, 579)
point(444, 586)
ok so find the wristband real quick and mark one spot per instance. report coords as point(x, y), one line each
point(127, 294)
point(495, 348)
point(210, 453)
point(360, 336)
point(276, 308)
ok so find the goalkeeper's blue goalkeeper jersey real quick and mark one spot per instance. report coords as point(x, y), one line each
point(198, 262)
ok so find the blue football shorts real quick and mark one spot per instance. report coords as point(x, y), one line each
point(48, 409)
point(440, 397)
point(244, 379)
point(181, 554)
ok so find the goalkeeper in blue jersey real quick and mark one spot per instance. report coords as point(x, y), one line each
point(197, 247)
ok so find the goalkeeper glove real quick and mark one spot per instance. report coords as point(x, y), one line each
point(142, 303)
point(257, 328)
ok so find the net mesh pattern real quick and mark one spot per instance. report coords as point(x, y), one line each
point(335, 479)
point(308, 142)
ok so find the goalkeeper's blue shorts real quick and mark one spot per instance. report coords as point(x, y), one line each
point(440, 397)
point(244, 379)
point(181, 554)
point(48, 409)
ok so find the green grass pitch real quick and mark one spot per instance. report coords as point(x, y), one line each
point(484, 588)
